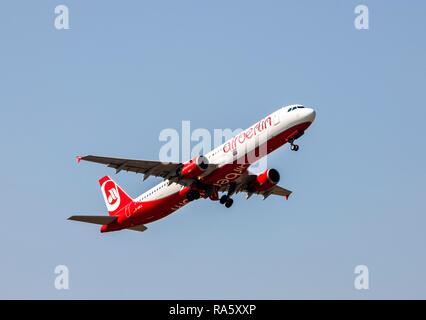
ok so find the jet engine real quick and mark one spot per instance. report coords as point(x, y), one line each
point(194, 167)
point(266, 180)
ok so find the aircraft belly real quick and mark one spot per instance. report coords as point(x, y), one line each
point(156, 209)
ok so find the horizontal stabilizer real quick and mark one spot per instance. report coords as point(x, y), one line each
point(94, 219)
point(140, 228)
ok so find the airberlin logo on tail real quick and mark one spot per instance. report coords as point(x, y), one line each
point(111, 195)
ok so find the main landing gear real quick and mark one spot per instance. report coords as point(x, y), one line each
point(293, 147)
point(193, 195)
point(226, 200)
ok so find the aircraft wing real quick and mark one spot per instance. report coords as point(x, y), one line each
point(275, 190)
point(243, 185)
point(279, 191)
point(146, 167)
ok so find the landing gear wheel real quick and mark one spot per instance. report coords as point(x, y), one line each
point(223, 199)
point(193, 195)
point(229, 203)
point(190, 196)
point(294, 147)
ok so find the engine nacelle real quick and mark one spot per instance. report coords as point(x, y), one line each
point(194, 167)
point(266, 180)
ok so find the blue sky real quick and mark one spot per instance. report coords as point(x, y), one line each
point(129, 69)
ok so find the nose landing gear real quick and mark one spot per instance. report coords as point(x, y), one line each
point(293, 147)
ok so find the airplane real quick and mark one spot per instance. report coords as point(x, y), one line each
point(223, 170)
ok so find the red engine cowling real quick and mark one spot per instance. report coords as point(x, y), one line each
point(266, 180)
point(194, 167)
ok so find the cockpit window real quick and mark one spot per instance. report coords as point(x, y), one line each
point(294, 108)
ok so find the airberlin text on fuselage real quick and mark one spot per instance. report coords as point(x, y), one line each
point(247, 134)
point(237, 172)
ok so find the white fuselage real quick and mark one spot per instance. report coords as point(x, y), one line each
point(242, 144)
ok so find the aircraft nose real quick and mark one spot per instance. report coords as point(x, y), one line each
point(310, 114)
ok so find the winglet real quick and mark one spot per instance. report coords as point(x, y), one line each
point(286, 196)
point(78, 158)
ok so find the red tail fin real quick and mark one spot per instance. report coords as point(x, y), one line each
point(115, 197)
